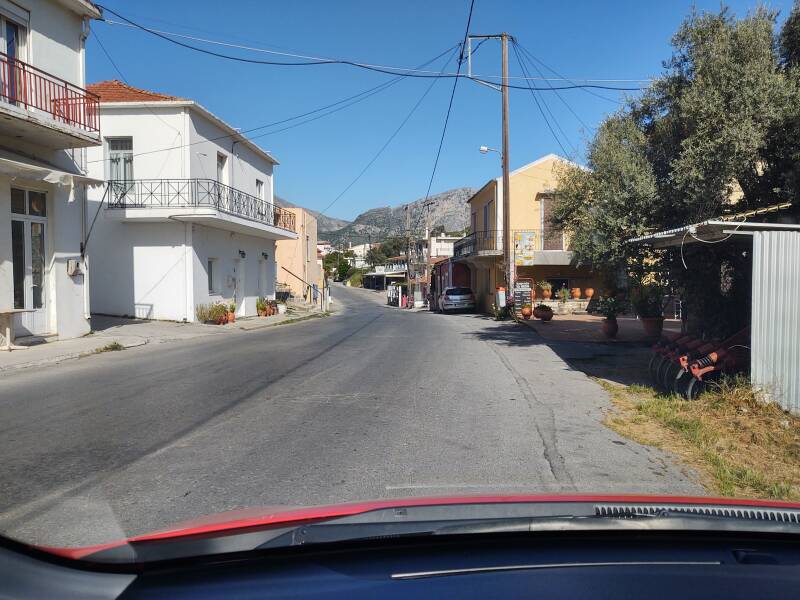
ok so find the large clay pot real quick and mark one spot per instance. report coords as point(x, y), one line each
point(652, 325)
point(576, 293)
point(222, 319)
point(544, 314)
point(547, 294)
point(610, 327)
point(588, 292)
point(526, 312)
point(231, 317)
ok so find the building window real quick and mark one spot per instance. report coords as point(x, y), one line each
point(212, 288)
point(13, 35)
point(259, 189)
point(120, 159)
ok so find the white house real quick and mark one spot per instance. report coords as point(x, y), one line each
point(47, 119)
point(187, 214)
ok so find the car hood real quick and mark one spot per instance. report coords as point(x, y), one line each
point(256, 519)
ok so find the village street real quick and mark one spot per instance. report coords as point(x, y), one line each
point(373, 402)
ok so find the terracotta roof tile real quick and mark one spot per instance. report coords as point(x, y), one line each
point(117, 91)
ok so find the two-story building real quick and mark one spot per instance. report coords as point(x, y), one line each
point(47, 120)
point(538, 251)
point(298, 266)
point(186, 216)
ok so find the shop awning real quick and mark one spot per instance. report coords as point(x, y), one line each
point(17, 165)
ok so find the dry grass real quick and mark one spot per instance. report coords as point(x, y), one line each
point(738, 444)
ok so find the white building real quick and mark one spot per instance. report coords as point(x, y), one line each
point(187, 216)
point(47, 119)
point(324, 247)
point(441, 245)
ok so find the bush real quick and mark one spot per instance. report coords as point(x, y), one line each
point(202, 312)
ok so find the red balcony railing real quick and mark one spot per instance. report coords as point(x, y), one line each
point(28, 87)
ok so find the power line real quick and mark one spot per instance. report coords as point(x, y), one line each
point(369, 67)
point(446, 118)
point(558, 95)
point(386, 144)
point(328, 60)
point(341, 104)
point(544, 116)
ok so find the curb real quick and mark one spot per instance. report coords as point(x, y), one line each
point(71, 356)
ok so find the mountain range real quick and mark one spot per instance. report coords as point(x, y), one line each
point(447, 209)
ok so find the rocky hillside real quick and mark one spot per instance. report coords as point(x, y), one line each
point(448, 209)
point(324, 222)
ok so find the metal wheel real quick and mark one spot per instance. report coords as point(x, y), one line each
point(652, 366)
point(661, 371)
point(670, 373)
point(694, 389)
point(681, 382)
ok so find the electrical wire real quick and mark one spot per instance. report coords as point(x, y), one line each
point(369, 67)
point(446, 119)
point(539, 106)
point(385, 145)
point(341, 104)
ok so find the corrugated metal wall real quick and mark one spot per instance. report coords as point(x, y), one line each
point(775, 347)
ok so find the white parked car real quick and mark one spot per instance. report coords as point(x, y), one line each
point(456, 298)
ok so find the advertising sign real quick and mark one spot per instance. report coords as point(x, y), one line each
point(524, 247)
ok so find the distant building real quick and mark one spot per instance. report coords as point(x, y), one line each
point(297, 259)
point(324, 247)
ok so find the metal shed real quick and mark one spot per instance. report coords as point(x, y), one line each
point(775, 316)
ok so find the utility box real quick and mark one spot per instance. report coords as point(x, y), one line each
point(500, 297)
point(73, 267)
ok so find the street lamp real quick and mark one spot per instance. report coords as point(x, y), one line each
point(487, 149)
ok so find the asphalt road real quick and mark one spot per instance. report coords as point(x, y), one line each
point(373, 402)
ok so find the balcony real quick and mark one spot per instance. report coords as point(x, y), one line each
point(479, 243)
point(203, 201)
point(45, 110)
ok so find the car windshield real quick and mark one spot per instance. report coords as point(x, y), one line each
point(458, 291)
point(298, 254)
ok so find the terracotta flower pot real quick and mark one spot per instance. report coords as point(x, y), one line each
point(588, 292)
point(576, 293)
point(222, 319)
point(231, 317)
point(652, 325)
point(544, 314)
point(547, 294)
point(526, 311)
point(610, 327)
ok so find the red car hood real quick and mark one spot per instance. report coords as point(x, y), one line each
point(237, 521)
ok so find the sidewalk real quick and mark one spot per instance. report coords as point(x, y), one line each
point(588, 328)
point(115, 333)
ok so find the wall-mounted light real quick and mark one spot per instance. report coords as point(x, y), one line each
point(242, 253)
point(265, 256)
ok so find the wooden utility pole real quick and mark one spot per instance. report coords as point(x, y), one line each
point(507, 254)
point(408, 257)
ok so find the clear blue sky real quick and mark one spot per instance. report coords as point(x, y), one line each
point(581, 39)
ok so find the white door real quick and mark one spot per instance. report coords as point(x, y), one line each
point(238, 291)
point(262, 278)
point(29, 260)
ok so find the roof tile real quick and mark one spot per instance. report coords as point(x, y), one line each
point(117, 91)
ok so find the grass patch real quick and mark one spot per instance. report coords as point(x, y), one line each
point(739, 444)
point(112, 347)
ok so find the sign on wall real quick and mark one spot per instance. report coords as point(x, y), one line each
point(524, 247)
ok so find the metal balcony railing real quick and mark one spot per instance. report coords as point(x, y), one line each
point(480, 241)
point(185, 193)
point(26, 86)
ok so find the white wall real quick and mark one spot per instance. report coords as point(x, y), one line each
point(154, 128)
point(224, 246)
point(244, 166)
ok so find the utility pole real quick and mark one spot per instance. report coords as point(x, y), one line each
point(408, 256)
point(508, 256)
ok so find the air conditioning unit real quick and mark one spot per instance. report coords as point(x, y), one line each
point(73, 267)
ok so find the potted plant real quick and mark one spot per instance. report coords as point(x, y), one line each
point(232, 312)
point(526, 311)
point(610, 308)
point(202, 313)
point(218, 313)
point(588, 292)
point(547, 289)
point(543, 312)
point(281, 307)
point(576, 293)
point(261, 307)
point(647, 301)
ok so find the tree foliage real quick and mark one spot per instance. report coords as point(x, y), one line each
point(717, 133)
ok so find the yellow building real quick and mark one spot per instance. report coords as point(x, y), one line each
point(539, 251)
point(297, 264)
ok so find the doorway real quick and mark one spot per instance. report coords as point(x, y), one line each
point(29, 260)
point(238, 290)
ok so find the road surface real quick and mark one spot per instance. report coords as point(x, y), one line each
point(373, 402)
